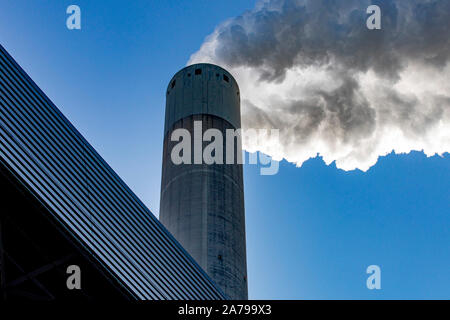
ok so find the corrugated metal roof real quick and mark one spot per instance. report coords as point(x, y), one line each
point(51, 158)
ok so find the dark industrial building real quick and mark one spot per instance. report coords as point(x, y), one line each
point(202, 204)
point(61, 205)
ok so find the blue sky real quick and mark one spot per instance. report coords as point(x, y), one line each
point(311, 231)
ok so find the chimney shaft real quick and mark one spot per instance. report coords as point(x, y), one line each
point(203, 205)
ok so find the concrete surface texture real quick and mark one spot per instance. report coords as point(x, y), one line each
point(203, 205)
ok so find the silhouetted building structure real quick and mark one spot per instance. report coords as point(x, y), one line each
point(61, 204)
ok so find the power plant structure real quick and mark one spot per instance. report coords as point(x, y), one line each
point(63, 206)
point(202, 204)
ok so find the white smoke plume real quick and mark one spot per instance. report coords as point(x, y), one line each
point(334, 88)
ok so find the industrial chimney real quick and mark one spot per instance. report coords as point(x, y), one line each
point(202, 205)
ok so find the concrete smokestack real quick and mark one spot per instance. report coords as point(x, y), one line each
point(203, 205)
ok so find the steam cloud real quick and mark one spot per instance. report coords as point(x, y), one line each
point(334, 88)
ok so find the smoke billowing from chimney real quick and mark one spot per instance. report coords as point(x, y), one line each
point(334, 88)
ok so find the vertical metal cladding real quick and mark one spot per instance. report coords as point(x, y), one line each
point(203, 205)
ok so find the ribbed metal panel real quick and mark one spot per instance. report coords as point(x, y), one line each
point(51, 158)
